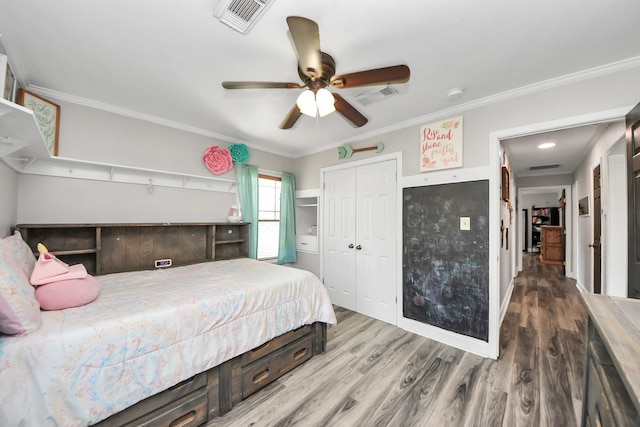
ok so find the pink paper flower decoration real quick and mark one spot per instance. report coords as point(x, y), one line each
point(218, 160)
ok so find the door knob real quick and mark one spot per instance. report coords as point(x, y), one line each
point(351, 246)
point(594, 245)
point(358, 247)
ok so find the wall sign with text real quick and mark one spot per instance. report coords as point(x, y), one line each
point(441, 145)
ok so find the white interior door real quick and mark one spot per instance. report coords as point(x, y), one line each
point(376, 208)
point(339, 236)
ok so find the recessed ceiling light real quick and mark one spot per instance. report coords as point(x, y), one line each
point(547, 145)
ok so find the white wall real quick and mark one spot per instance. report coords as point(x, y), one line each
point(598, 94)
point(508, 237)
point(615, 223)
point(571, 100)
point(94, 135)
point(584, 223)
point(8, 207)
point(65, 200)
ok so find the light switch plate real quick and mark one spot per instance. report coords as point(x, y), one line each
point(465, 223)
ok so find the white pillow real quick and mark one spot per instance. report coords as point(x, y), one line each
point(22, 254)
point(19, 309)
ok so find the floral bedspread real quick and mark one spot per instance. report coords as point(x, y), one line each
point(147, 331)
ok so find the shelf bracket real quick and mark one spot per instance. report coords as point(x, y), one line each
point(29, 161)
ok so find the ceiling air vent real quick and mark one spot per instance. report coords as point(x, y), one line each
point(537, 168)
point(375, 95)
point(241, 15)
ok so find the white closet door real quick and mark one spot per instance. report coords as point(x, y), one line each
point(376, 240)
point(338, 234)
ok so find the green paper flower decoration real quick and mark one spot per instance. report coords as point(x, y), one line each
point(239, 153)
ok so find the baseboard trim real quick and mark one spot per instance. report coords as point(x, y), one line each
point(505, 301)
point(581, 287)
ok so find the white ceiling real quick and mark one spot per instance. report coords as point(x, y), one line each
point(572, 146)
point(164, 60)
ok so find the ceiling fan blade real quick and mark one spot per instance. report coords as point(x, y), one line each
point(349, 112)
point(306, 40)
point(377, 76)
point(291, 118)
point(261, 85)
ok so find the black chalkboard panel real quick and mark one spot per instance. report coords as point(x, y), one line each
point(446, 269)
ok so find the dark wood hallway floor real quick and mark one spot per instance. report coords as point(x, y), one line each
point(374, 374)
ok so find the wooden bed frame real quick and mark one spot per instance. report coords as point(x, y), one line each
point(114, 248)
point(213, 393)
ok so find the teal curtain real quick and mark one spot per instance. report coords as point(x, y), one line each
point(247, 179)
point(287, 243)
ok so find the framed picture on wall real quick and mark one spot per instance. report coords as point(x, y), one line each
point(8, 81)
point(47, 116)
point(583, 206)
point(505, 184)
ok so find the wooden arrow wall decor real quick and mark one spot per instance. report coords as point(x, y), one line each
point(345, 152)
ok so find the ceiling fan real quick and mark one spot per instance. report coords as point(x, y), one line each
point(317, 72)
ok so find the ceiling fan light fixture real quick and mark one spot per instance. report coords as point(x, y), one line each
point(317, 72)
point(307, 103)
point(325, 102)
point(320, 103)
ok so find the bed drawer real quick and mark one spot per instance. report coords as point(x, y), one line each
point(274, 344)
point(153, 403)
point(188, 411)
point(268, 369)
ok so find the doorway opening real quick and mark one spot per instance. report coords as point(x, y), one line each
point(502, 295)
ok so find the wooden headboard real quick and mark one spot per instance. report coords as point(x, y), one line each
point(115, 248)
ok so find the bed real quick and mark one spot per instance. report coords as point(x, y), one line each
point(173, 346)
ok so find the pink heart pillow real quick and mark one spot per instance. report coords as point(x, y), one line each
point(67, 293)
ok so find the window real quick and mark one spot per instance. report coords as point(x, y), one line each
point(268, 216)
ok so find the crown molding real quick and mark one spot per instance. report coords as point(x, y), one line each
point(584, 75)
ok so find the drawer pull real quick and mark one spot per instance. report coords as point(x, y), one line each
point(260, 376)
point(183, 420)
point(262, 347)
point(300, 354)
point(182, 383)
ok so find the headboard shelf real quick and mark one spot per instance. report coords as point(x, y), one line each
point(74, 252)
point(226, 242)
point(115, 248)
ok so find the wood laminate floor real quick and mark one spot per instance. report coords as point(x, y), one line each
point(374, 374)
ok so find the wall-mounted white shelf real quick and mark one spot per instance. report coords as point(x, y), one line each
point(307, 202)
point(23, 149)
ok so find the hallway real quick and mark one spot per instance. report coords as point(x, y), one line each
point(374, 374)
point(542, 339)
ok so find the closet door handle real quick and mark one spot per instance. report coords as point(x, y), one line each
point(351, 246)
point(359, 247)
